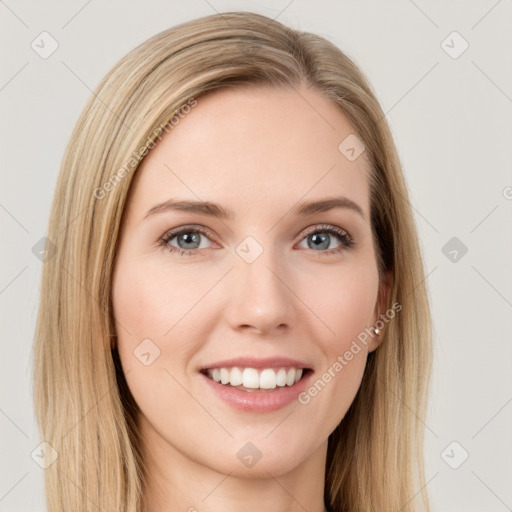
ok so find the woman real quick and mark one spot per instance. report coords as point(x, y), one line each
point(236, 314)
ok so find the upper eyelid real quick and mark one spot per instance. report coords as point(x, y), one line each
point(184, 229)
point(319, 227)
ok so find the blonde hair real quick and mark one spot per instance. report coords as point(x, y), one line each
point(83, 406)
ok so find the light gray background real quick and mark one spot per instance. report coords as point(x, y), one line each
point(451, 118)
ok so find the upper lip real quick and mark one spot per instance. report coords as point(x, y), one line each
point(251, 362)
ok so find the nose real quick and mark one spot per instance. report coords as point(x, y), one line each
point(260, 298)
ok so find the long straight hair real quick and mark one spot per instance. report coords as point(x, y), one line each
point(83, 406)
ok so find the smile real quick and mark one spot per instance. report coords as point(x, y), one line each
point(252, 379)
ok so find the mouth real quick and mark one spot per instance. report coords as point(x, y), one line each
point(257, 380)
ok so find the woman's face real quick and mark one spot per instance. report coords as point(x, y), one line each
point(244, 273)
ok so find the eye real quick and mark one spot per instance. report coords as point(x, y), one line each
point(320, 238)
point(186, 240)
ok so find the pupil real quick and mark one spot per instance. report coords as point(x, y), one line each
point(190, 238)
point(322, 239)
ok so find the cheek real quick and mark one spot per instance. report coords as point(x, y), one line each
point(159, 325)
point(150, 300)
point(344, 300)
point(148, 305)
point(143, 316)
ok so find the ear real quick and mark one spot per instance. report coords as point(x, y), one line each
point(380, 308)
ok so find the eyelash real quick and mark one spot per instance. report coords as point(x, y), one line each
point(343, 236)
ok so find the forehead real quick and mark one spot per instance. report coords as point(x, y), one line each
point(259, 147)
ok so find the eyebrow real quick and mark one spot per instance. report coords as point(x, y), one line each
point(303, 209)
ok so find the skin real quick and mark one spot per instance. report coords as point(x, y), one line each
point(256, 151)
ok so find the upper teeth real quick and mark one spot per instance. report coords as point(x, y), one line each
point(267, 378)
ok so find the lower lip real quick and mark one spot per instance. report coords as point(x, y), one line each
point(258, 401)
